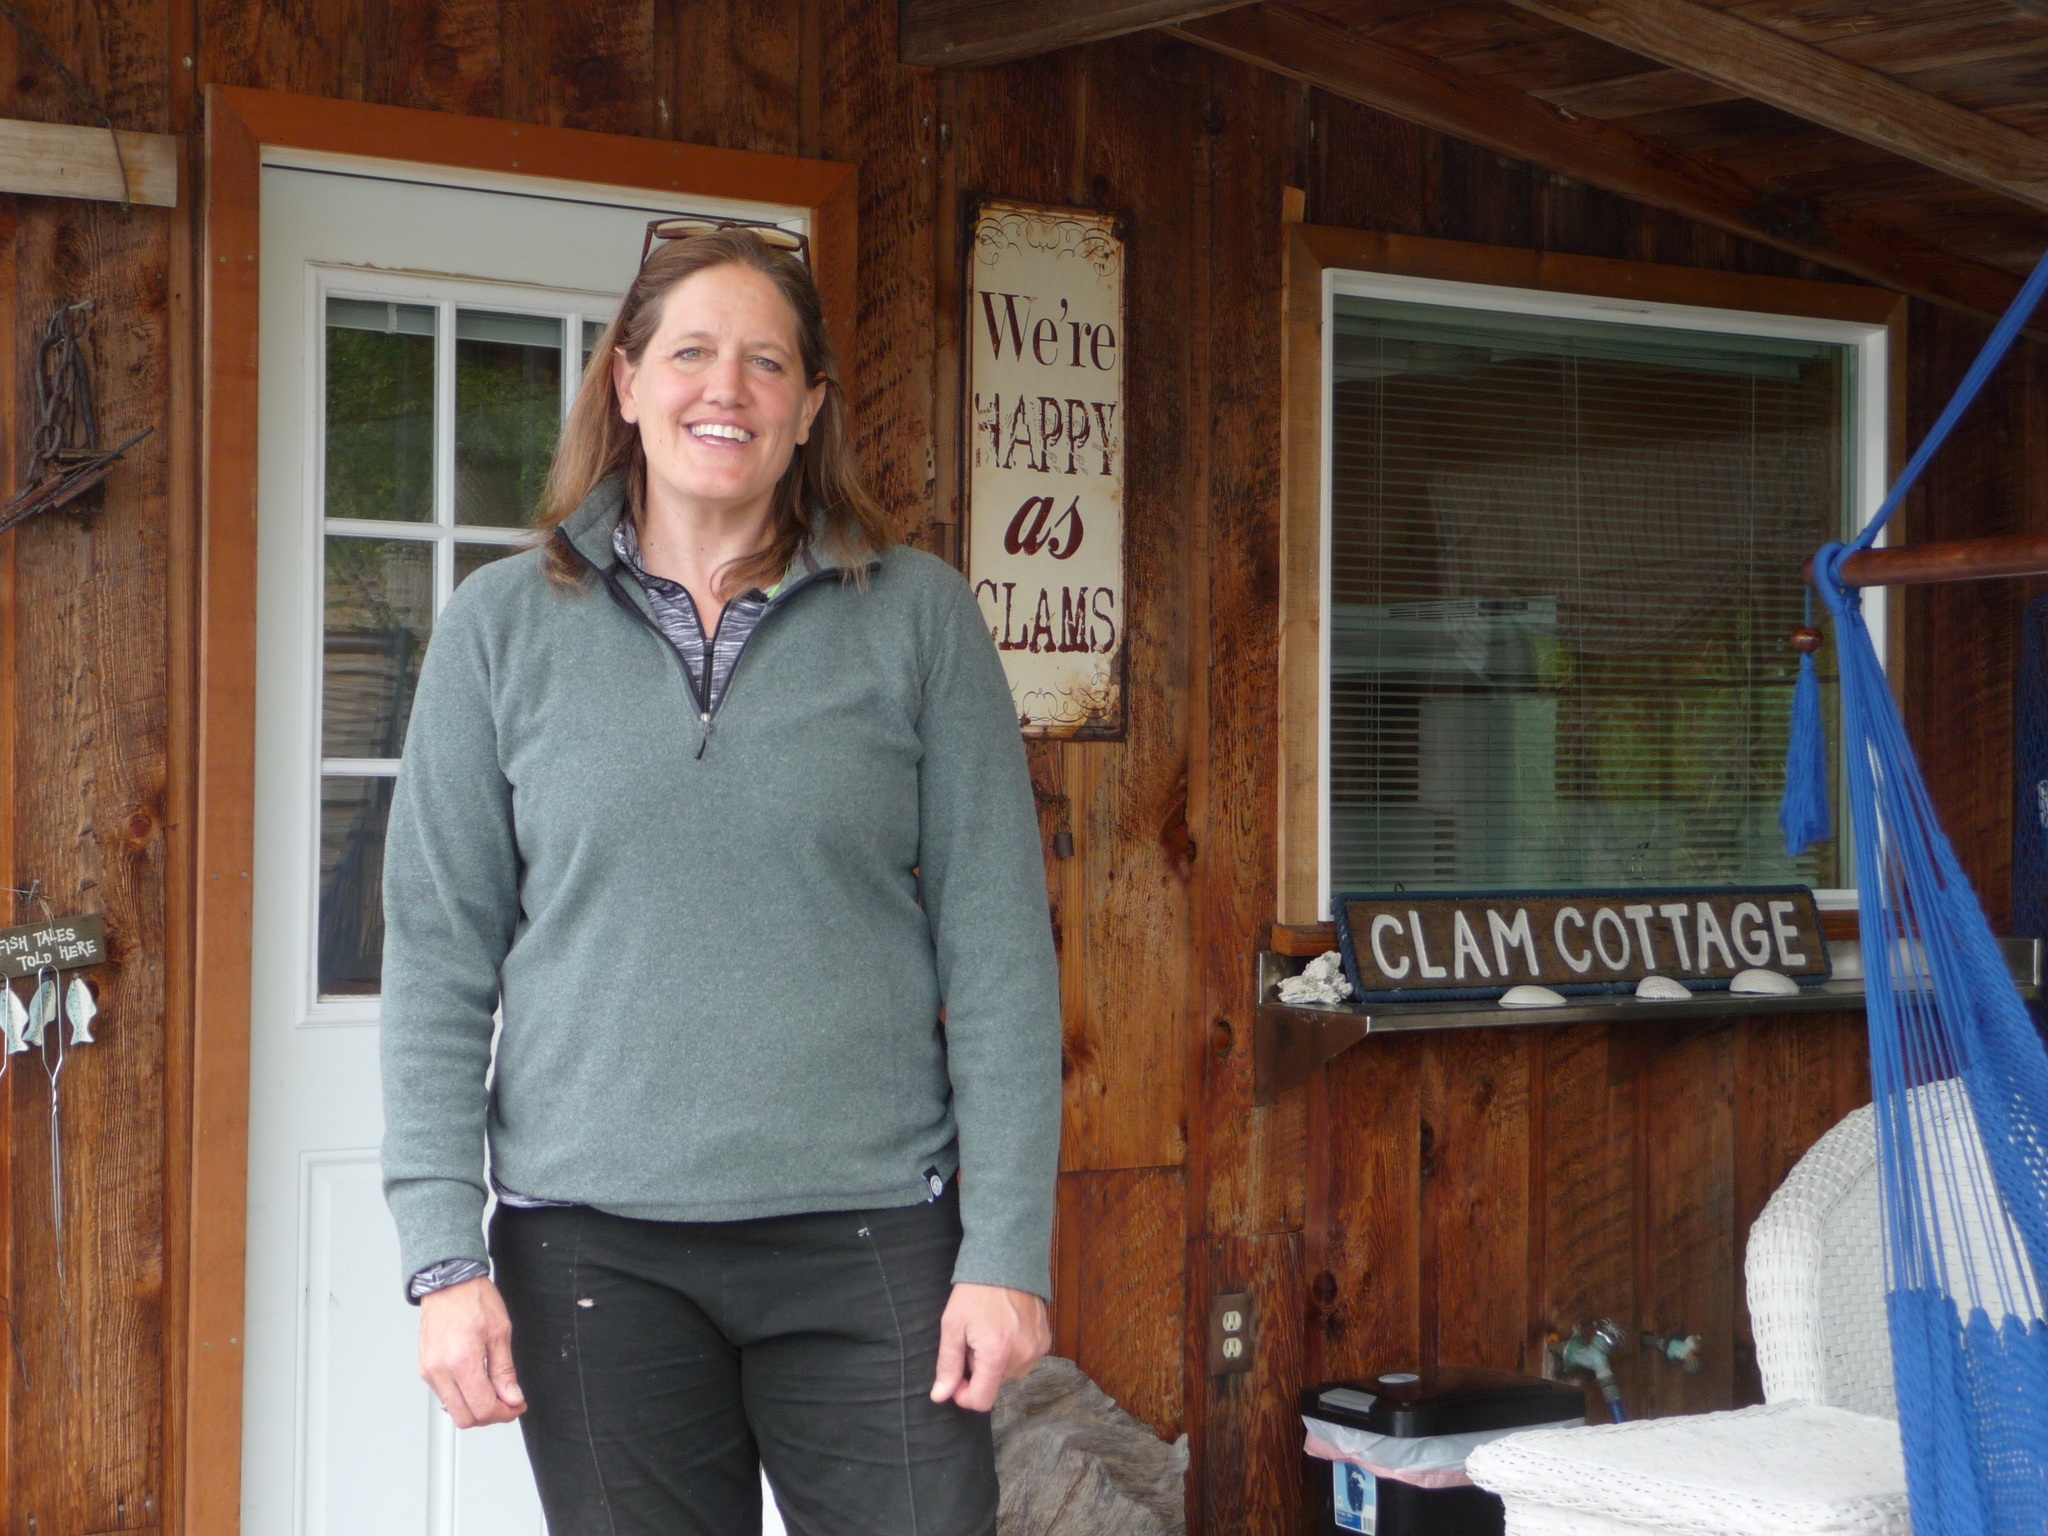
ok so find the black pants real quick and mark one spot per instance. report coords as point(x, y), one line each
point(664, 1363)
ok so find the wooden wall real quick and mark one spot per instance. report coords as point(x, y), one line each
point(1430, 1200)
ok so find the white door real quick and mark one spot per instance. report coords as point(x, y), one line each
point(420, 343)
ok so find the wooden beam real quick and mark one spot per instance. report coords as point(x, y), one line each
point(1325, 55)
point(958, 34)
point(1861, 103)
point(62, 160)
point(1917, 565)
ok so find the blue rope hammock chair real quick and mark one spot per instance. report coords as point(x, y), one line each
point(1959, 1076)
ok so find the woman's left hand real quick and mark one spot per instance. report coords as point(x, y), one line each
point(990, 1334)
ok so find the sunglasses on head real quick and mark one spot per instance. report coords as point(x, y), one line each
point(687, 225)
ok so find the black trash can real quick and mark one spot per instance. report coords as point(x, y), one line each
point(1451, 1400)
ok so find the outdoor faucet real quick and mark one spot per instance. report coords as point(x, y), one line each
point(1594, 1354)
point(1681, 1349)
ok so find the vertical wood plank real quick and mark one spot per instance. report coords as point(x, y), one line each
point(443, 54)
point(1587, 1179)
point(1475, 1195)
point(1254, 1158)
point(880, 114)
point(586, 64)
point(1962, 641)
point(737, 74)
point(1363, 1236)
point(89, 683)
point(1069, 1237)
point(1687, 1262)
point(1131, 1288)
point(317, 47)
point(1252, 1462)
point(1788, 1087)
point(1124, 894)
point(12, 401)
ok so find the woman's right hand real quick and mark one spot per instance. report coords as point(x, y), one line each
point(466, 1354)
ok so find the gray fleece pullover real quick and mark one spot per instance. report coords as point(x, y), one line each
point(722, 953)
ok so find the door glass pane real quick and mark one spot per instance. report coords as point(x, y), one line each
point(380, 410)
point(379, 612)
point(353, 813)
point(1565, 557)
point(470, 558)
point(508, 411)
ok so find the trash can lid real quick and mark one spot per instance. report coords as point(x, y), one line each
point(1446, 1400)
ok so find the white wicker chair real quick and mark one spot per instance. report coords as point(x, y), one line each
point(1821, 1455)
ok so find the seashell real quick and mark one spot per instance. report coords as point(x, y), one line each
point(1526, 996)
point(1763, 984)
point(80, 1009)
point(1661, 989)
point(41, 1009)
point(1321, 981)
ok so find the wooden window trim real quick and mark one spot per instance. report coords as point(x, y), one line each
point(214, 777)
point(1313, 249)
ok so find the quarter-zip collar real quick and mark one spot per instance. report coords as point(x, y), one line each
point(593, 531)
point(589, 529)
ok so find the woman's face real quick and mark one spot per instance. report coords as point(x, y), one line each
point(719, 393)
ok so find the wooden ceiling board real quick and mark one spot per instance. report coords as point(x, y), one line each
point(1992, 46)
point(1822, 22)
point(1364, 15)
point(1994, 246)
point(1983, 89)
point(1628, 96)
point(1718, 126)
point(1890, 179)
point(1933, 212)
point(1807, 150)
point(1447, 31)
point(1570, 58)
point(2030, 117)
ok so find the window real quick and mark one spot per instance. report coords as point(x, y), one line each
point(441, 406)
point(1559, 548)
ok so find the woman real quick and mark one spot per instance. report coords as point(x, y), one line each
point(766, 919)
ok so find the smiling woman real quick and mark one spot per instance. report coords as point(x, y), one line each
point(822, 1299)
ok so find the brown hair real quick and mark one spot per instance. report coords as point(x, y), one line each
point(819, 497)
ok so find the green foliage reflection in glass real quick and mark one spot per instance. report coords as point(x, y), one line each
point(380, 410)
point(508, 413)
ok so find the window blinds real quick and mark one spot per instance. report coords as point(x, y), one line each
point(1565, 559)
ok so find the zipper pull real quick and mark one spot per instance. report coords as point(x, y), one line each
point(705, 720)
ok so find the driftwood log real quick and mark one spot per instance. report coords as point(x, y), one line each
point(1072, 1463)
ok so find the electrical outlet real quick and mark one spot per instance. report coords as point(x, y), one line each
point(1230, 1334)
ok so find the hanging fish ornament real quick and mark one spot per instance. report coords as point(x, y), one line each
point(14, 1022)
point(42, 1008)
point(80, 1009)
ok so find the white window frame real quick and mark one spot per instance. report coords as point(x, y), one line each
point(1868, 465)
point(444, 295)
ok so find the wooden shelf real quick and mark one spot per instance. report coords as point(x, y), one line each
point(1290, 1040)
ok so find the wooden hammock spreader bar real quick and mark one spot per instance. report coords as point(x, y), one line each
point(1914, 565)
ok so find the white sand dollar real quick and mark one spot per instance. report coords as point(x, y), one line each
point(1763, 984)
point(1526, 996)
point(1661, 989)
